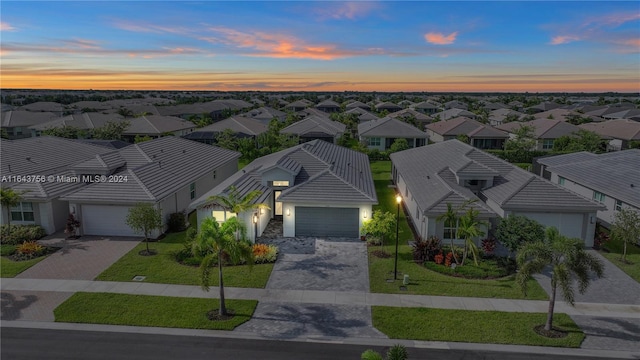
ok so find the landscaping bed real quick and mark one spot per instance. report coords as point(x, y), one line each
point(612, 250)
point(145, 310)
point(493, 327)
point(18, 258)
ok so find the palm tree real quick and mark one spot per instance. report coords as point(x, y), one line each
point(451, 217)
point(214, 242)
point(470, 229)
point(10, 198)
point(567, 259)
point(235, 203)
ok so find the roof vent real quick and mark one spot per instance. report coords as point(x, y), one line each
point(632, 185)
point(28, 158)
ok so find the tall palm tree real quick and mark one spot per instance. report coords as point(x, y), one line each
point(235, 203)
point(470, 228)
point(10, 198)
point(567, 259)
point(214, 242)
point(451, 217)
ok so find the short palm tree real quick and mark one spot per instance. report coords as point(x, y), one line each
point(396, 352)
point(451, 218)
point(470, 228)
point(10, 198)
point(215, 241)
point(235, 203)
point(567, 259)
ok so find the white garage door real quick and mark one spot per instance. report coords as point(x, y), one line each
point(105, 220)
point(569, 225)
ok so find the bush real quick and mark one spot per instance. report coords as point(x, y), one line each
point(488, 245)
point(426, 250)
point(264, 253)
point(485, 270)
point(29, 250)
point(373, 240)
point(6, 250)
point(21, 233)
point(177, 222)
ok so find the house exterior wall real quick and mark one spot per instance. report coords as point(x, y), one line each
point(606, 216)
point(380, 147)
point(289, 214)
point(277, 175)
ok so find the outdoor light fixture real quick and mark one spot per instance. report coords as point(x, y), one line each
point(288, 212)
point(365, 214)
point(395, 265)
point(255, 219)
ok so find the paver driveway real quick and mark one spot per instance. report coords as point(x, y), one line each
point(336, 264)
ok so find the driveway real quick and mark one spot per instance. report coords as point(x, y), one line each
point(307, 263)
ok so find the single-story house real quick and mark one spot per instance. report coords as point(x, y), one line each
point(453, 113)
point(427, 107)
point(430, 177)
point(328, 106)
point(316, 127)
point(480, 135)
point(298, 105)
point(546, 131)
point(620, 131)
point(362, 114)
point(500, 116)
point(265, 114)
point(612, 179)
point(99, 184)
point(315, 189)
point(157, 125)
point(17, 122)
point(388, 106)
point(45, 106)
point(241, 126)
point(83, 121)
point(357, 104)
point(412, 116)
point(381, 133)
point(455, 104)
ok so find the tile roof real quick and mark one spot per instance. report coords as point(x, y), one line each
point(434, 168)
point(20, 118)
point(389, 127)
point(326, 173)
point(315, 125)
point(156, 125)
point(623, 129)
point(452, 113)
point(89, 120)
point(237, 124)
point(465, 126)
point(616, 174)
point(543, 128)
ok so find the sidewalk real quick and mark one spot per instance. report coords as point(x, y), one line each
point(321, 297)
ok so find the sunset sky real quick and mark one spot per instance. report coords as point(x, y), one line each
point(322, 46)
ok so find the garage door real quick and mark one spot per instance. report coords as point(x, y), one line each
point(568, 224)
point(339, 222)
point(105, 220)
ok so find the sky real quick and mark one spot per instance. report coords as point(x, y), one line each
point(535, 46)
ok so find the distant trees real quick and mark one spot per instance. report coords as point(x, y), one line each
point(524, 140)
point(66, 131)
point(581, 140)
point(112, 130)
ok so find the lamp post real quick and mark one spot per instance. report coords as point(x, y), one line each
point(255, 227)
point(395, 265)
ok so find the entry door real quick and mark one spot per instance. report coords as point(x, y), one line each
point(277, 204)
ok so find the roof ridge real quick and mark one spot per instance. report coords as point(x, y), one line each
point(150, 123)
point(239, 123)
point(87, 121)
point(137, 179)
point(100, 160)
point(142, 152)
point(348, 183)
point(531, 178)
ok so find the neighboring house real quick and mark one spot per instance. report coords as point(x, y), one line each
point(168, 172)
point(546, 131)
point(631, 114)
point(363, 115)
point(427, 107)
point(316, 127)
point(612, 179)
point(544, 106)
point(357, 104)
point(265, 114)
point(316, 189)
point(241, 126)
point(498, 117)
point(492, 106)
point(409, 115)
point(311, 111)
point(621, 132)
point(455, 104)
point(388, 106)
point(298, 105)
point(18, 122)
point(328, 106)
point(45, 106)
point(156, 125)
point(382, 133)
point(453, 113)
point(90, 106)
point(85, 121)
point(480, 135)
point(557, 114)
point(430, 177)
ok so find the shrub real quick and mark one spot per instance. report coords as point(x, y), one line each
point(487, 269)
point(264, 253)
point(447, 260)
point(488, 245)
point(438, 259)
point(601, 239)
point(21, 233)
point(373, 240)
point(29, 250)
point(72, 225)
point(176, 222)
point(425, 250)
point(6, 250)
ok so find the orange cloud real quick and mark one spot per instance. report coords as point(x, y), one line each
point(440, 39)
point(563, 39)
point(6, 27)
point(346, 10)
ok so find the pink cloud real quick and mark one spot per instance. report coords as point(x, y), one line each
point(148, 28)
point(616, 19)
point(6, 27)
point(440, 38)
point(563, 39)
point(346, 10)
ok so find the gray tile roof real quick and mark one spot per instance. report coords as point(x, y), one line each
point(157, 125)
point(610, 173)
point(315, 125)
point(452, 113)
point(543, 128)
point(19, 118)
point(389, 127)
point(237, 124)
point(90, 120)
point(434, 168)
point(618, 129)
point(465, 126)
point(326, 173)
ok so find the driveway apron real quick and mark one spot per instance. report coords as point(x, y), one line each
point(307, 263)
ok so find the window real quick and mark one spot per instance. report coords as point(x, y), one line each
point(222, 215)
point(449, 230)
point(192, 190)
point(281, 183)
point(547, 144)
point(374, 141)
point(22, 212)
point(618, 205)
point(598, 196)
point(560, 180)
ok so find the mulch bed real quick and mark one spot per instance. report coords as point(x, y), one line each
point(554, 333)
point(23, 257)
point(214, 315)
point(381, 254)
point(151, 252)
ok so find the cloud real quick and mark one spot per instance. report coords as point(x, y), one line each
point(144, 27)
point(346, 10)
point(563, 39)
point(612, 20)
point(85, 47)
point(6, 27)
point(440, 38)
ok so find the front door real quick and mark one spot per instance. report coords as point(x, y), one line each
point(277, 205)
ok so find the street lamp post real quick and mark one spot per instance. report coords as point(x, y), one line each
point(255, 227)
point(395, 266)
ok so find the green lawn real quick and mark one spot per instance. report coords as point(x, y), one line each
point(632, 267)
point(144, 310)
point(162, 268)
point(491, 327)
point(422, 280)
point(10, 268)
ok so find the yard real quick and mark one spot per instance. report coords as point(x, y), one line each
point(422, 280)
point(10, 268)
point(144, 310)
point(163, 268)
point(614, 254)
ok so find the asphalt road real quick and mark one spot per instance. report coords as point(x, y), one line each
point(28, 344)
